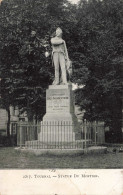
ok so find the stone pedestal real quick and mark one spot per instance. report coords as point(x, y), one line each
point(59, 123)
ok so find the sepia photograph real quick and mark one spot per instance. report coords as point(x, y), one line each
point(61, 96)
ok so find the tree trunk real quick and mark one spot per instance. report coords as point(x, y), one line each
point(8, 127)
point(116, 123)
point(116, 131)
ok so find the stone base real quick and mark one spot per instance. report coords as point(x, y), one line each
point(36, 144)
point(58, 152)
point(57, 131)
point(60, 117)
point(62, 127)
point(59, 123)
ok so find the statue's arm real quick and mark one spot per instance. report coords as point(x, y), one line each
point(56, 42)
point(66, 52)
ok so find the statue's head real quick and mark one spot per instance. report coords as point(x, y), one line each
point(58, 32)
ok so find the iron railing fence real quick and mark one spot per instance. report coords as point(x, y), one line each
point(76, 144)
point(27, 132)
point(53, 135)
point(94, 131)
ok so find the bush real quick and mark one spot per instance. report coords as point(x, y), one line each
point(110, 137)
point(6, 141)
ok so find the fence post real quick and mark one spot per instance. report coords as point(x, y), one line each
point(22, 135)
point(91, 138)
point(95, 133)
point(85, 125)
point(20, 128)
point(18, 134)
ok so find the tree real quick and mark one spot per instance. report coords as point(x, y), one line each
point(99, 53)
point(26, 29)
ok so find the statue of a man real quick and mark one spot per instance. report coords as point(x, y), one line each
point(60, 57)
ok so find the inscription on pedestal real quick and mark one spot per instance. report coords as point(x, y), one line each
point(57, 102)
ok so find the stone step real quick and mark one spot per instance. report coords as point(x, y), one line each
point(78, 144)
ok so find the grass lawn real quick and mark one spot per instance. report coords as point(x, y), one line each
point(12, 159)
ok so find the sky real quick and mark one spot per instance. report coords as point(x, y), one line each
point(74, 1)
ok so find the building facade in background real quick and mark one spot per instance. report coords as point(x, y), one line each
point(15, 117)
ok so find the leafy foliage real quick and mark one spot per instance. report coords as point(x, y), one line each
point(100, 47)
point(27, 27)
